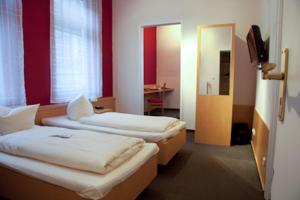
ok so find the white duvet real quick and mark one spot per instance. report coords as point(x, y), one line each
point(130, 122)
point(86, 184)
point(78, 149)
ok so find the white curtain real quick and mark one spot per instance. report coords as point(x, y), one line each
point(76, 60)
point(12, 89)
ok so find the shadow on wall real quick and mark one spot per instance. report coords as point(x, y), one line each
point(245, 75)
point(293, 102)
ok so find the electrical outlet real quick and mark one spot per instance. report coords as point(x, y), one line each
point(253, 131)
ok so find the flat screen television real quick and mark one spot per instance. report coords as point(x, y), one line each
point(256, 46)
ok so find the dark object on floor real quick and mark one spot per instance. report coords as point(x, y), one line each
point(207, 172)
point(241, 134)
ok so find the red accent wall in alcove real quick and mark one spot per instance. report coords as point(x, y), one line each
point(36, 33)
point(150, 55)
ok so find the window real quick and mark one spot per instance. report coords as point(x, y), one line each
point(75, 49)
point(12, 89)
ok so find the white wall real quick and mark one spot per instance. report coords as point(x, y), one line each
point(286, 181)
point(168, 61)
point(265, 89)
point(130, 15)
point(245, 76)
point(213, 40)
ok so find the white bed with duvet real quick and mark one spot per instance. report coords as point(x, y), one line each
point(91, 185)
point(151, 129)
point(80, 115)
point(87, 163)
point(74, 166)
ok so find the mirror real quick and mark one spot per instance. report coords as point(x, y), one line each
point(215, 59)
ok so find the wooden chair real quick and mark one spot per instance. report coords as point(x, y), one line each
point(158, 102)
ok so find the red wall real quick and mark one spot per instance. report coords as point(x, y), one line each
point(36, 28)
point(107, 48)
point(150, 55)
point(36, 33)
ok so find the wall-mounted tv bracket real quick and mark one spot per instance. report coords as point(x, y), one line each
point(282, 76)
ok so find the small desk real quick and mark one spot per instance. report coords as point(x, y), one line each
point(155, 91)
point(148, 93)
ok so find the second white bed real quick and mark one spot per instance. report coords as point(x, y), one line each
point(64, 121)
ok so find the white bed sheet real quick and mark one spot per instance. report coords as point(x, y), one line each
point(86, 184)
point(63, 121)
point(130, 122)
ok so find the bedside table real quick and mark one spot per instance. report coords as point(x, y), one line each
point(99, 111)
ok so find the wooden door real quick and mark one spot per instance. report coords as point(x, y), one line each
point(213, 110)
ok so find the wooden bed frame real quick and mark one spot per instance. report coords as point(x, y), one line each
point(61, 109)
point(167, 148)
point(17, 186)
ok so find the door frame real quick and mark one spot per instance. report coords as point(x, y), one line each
point(141, 63)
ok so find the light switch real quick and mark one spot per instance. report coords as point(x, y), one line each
point(253, 131)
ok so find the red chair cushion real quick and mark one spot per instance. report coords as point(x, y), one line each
point(154, 100)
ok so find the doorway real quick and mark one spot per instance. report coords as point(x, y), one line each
point(161, 64)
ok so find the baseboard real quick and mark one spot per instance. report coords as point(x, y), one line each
point(259, 145)
point(258, 168)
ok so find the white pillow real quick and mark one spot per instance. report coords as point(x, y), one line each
point(18, 119)
point(4, 110)
point(79, 107)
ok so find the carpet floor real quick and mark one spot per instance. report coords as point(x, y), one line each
point(207, 172)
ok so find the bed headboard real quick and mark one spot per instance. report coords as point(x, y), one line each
point(61, 109)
